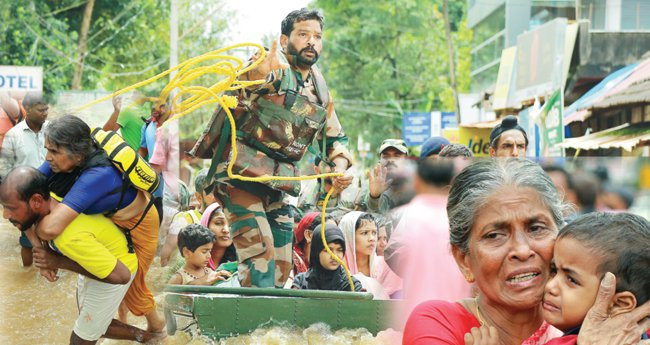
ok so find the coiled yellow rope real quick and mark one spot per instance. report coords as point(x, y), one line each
point(199, 96)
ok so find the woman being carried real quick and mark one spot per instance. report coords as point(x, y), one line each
point(79, 172)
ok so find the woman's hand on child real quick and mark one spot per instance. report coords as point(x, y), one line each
point(623, 329)
point(485, 335)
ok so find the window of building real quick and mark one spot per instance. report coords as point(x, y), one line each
point(594, 11)
point(545, 11)
point(488, 42)
point(634, 15)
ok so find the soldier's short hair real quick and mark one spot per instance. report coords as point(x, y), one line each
point(299, 16)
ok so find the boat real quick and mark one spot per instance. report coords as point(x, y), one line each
point(221, 312)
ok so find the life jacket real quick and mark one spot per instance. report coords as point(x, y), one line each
point(133, 167)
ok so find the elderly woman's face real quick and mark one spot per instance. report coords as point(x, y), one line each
point(60, 159)
point(511, 247)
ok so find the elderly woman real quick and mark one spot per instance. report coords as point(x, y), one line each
point(504, 216)
point(80, 174)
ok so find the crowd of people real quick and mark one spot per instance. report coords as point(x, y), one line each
point(499, 250)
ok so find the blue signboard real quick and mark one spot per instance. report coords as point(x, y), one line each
point(448, 120)
point(416, 128)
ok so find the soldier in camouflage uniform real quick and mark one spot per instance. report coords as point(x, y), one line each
point(276, 122)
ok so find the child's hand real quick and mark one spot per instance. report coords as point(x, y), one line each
point(223, 274)
point(210, 278)
point(486, 335)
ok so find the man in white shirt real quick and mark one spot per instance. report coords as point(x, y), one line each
point(23, 145)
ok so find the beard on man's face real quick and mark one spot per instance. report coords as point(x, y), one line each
point(32, 218)
point(301, 59)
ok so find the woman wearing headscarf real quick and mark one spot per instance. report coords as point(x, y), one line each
point(302, 244)
point(325, 273)
point(360, 230)
point(223, 251)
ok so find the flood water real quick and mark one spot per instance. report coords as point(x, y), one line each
point(35, 311)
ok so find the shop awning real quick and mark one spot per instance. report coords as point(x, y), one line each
point(637, 93)
point(578, 110)
point(625, 136)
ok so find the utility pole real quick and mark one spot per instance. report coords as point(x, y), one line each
point(452, 63)
point(81, 48)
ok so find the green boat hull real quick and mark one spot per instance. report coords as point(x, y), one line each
point(224, 312)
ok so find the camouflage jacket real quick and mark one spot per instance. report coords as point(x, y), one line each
point(335, 140)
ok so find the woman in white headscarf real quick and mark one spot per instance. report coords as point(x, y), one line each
point(360, 230)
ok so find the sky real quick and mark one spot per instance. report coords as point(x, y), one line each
point(257, 18)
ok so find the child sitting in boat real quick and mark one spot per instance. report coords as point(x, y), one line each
point(325, 273)
point(195, 243)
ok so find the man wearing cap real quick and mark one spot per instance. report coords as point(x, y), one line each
point(432, 147)
point(381, 194)
point(508, 139)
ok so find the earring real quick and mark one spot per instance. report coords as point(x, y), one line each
point(469, 278)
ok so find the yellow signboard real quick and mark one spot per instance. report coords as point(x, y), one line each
point(452, 135)
point(477, 139)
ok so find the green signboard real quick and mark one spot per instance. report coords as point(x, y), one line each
point(551, 126)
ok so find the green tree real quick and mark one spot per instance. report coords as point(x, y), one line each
point(128, 40)
point(382, 59)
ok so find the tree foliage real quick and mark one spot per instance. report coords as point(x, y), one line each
point(385, 58)
point(128, 40)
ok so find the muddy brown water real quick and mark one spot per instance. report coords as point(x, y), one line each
point(35, 311)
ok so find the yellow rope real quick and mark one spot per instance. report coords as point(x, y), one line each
point(200, 96)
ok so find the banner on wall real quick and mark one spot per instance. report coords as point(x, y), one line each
point(551, 126)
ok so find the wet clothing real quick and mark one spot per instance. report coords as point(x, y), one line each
point(96, 188)
point(95, 243)
point(98, 303)
point(82, 192)
point(319, 278)
point(139, 299)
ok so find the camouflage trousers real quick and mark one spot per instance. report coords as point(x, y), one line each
point(261, 228)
